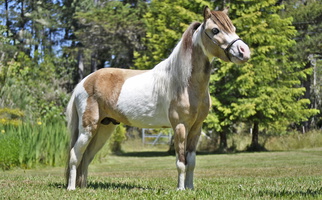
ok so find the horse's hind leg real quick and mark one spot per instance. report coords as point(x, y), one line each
point(97, 142)
point(88, 123)
point(76, 154)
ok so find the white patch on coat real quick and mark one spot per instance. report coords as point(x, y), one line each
point(81, 98)
point(141, 104)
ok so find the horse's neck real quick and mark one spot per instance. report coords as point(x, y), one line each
point(201, 69)
point(172, 75)
point(182, 70)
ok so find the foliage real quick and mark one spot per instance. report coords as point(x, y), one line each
point(28, 145)
point(35, 89)
point(116, 139)
point(307, 19)
point(10, 116)
point(109, 34)
point(267, 89)
point(45, 44)
point(165, 22)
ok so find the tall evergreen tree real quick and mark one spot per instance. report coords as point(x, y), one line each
point(307, 19)
point(266, 91)
point(112, 32)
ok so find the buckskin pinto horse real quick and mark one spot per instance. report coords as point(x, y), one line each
point(172, 94)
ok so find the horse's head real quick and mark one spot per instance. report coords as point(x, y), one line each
point(220, 40)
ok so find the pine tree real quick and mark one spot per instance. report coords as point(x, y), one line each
point(307, 19)
point(266, 91)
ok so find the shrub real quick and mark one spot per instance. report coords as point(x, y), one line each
point(33, 143)
point(116, 139)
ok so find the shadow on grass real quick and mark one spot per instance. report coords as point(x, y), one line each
point(104, 185)
point(167, 153)
point(285, 193)
point(146, 154)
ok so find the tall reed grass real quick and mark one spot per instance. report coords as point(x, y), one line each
point(32, 144)
point(285, 142)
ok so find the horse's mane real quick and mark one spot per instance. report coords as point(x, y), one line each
point(172, 74)
point(187, 35)
point(222, 21)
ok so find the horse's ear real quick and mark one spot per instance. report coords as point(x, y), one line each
point(226, 10)
point(206, 13)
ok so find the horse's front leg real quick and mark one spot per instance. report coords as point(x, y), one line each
point(179, 144)
point(192, 141)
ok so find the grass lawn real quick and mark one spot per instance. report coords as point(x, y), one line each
point(153, 175)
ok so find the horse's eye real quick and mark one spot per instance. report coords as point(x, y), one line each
point(215, 31)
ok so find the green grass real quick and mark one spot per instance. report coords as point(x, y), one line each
point(152, 175)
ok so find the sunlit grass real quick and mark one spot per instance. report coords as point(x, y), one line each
point(140, 175)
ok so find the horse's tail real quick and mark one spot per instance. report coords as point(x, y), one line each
point(72, 124)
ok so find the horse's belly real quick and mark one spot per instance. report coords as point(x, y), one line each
point(140, 106)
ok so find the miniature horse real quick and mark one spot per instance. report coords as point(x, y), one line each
point(173, 94)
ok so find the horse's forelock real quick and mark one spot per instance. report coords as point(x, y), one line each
point(222, 21)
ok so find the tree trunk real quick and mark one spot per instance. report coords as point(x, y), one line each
point(80, 65)
point(255, 135)
point(7, 18)
point(255, 146)
point(223, 141)
point(94, 62)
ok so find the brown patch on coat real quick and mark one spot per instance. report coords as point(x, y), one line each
point(103, 88)
point(91, 114)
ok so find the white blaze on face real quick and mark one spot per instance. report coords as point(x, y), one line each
point(239, 52)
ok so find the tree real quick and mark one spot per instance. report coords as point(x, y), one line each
point(266, 91)
point(111, 33)
point(307, 19)
point(165, 22)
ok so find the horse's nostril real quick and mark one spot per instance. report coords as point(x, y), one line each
point(244, 52)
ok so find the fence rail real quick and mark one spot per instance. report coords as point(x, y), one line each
point(157, 137)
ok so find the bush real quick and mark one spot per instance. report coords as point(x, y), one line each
point(30, 144)
point(116, 139)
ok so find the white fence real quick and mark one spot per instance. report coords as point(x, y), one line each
point(157, 138)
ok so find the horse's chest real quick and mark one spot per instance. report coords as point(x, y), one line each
point(189, 108)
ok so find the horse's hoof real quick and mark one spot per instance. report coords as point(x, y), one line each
point(71, 188)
